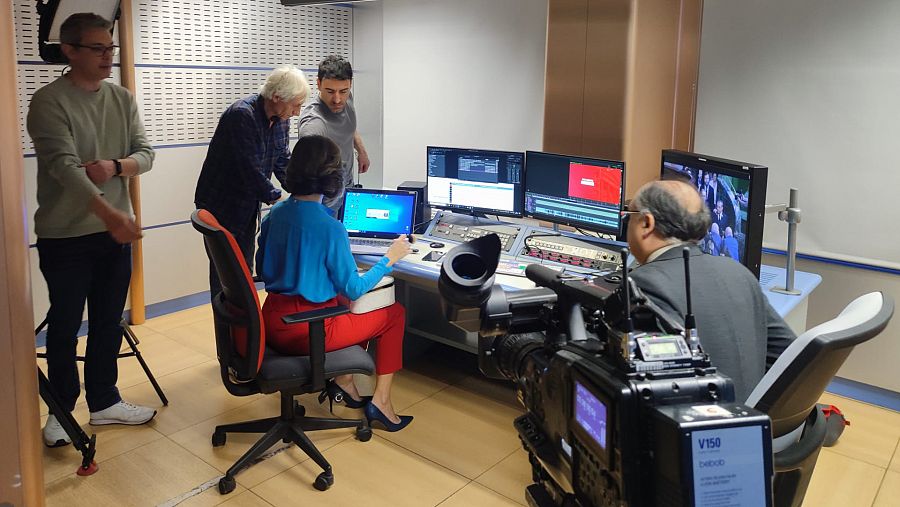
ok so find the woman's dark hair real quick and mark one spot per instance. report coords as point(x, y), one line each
point(335, 67)
point(315, 168)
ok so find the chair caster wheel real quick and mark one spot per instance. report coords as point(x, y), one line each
point(218, 439)
point(299, 410)
point(324, 481)
point(226, 485)
point(363, 434)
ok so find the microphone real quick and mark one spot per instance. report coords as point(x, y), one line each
point(690, 324)
point(629, 325)
point(542, 276)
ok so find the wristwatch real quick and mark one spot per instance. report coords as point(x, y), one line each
point(118, 167)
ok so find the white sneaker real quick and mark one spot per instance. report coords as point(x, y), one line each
point(122, 413)
point(54, 434)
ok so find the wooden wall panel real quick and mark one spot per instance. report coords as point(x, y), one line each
point(565, 76)
point(21, 472)
point(640, 61)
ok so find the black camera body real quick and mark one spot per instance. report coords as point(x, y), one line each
point(622, 406)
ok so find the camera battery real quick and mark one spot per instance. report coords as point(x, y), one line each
point(712, 455)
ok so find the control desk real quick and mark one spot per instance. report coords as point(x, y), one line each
point(529, 244)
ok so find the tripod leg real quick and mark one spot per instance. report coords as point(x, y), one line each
point(87, 446)
point(132, 343)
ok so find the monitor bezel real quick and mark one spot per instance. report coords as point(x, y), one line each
point(579, 224)
point(520, 203)
point(756, 203)
point(377, 235)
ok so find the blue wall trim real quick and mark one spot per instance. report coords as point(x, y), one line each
point(864, 392)
point(151, 311)
point(838, 262)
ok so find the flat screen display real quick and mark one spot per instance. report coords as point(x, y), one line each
point(483, 181)
point(378, 213)
point(734, 193)
point(591, 415)
point(581, 192)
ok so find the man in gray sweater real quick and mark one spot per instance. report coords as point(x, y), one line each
point(89, 141)
point(737, 326)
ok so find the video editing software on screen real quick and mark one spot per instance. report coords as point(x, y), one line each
point(575, 190)
point(487, 181)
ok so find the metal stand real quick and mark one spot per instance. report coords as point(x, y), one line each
point(789, 213)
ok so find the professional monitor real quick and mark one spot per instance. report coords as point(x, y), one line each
point(735, 193)
point(581, 192)
point(477, 181)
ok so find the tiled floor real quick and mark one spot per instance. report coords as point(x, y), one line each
point(460, 451)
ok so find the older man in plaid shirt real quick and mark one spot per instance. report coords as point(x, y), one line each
point(249, 145)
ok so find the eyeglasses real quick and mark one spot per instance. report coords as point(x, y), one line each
point(100, 50)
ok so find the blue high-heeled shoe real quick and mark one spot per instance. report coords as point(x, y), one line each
point(374, 414)
point(337, 395)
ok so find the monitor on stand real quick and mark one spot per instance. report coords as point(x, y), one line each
point(735, 193)
point(586, 193)
point(477, 182)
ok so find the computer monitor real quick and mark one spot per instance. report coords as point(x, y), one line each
point(477, 181)
point(735, 193)
point(581, 192)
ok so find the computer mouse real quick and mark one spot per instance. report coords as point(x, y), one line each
point(436, 244)
point(411, 238)
point(415, 250)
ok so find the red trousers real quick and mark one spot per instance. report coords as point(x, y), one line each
point(386, 325)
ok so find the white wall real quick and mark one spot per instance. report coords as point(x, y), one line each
point(809, 88)
point(464, 73)
point(368, 85)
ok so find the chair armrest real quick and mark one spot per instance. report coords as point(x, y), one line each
point(312, 315)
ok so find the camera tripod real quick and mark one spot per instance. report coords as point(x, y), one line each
point(87, 446)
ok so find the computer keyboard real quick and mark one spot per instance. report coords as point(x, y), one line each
point(370, 242)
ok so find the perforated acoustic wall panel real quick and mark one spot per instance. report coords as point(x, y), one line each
point(182, 106)
point(196, 58)
point(240, 32)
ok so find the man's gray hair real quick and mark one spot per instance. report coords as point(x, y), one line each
point(287, 83)
point(672, 219)
point(73, 28)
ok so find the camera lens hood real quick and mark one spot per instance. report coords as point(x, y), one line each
point(467, 273)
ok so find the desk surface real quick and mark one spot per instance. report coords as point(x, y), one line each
point(413, 268)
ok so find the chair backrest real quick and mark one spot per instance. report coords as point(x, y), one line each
point(790, 389)
point(240, 336)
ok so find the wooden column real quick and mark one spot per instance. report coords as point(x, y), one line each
point(21, 470)
point(126, 60)
point(621, 80)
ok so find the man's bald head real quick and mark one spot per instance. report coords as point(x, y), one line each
point(677, 208)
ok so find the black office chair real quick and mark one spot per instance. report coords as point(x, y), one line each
point(789, 391)
point(248, 367)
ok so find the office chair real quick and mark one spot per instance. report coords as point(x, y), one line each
point(249, 367)
point(790, 389)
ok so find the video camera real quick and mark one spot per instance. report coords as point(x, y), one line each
point(622, 406)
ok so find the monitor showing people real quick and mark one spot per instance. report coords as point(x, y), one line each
point(725, 187)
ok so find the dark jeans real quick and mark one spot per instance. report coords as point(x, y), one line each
point(246, 241)
point(97, 270)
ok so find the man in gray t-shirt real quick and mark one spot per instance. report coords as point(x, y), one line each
point(332, 115)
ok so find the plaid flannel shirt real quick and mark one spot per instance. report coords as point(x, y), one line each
point(244, 153)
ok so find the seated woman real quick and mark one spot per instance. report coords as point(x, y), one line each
point(305, 261)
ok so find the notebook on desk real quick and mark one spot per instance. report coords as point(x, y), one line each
point(374, 218)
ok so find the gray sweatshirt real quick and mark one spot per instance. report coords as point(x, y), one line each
point(71, 126)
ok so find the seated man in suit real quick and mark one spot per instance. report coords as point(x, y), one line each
point(737, 327)
point(731, 245)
